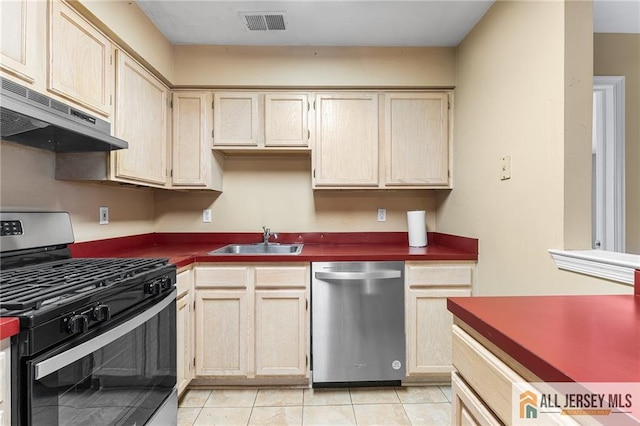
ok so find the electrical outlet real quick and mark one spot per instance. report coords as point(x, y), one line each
point(206, 216)
point(104, 215)
point(382, 215)
point(505, 168)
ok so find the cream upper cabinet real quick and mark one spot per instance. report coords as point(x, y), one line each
point(416, 139)
point(286, 120)
point(141, 120)
point(428, 322)
point(261, 121)
point(194, 165)
point(346, 145)
point(80, 60)
point(21, 26)
point(235, 119)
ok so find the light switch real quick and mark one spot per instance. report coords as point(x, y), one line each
point(505, 168)
point(104, 215)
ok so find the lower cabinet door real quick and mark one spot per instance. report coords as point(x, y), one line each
point(221, 332)
point(429, 330)
point(280, 332)
point(184, 342)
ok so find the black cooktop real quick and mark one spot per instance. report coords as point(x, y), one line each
point(36, 286)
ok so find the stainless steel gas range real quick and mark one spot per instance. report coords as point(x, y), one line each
point(97, 336)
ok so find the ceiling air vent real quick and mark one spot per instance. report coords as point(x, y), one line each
point(263, 21)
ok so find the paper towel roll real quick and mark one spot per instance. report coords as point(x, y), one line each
point(417, 226)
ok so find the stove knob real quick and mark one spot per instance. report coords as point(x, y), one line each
point(152, 287)
point(165, 283)
point(101, 313)
point(78, 324)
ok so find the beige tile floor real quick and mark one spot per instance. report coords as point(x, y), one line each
point(428, 406)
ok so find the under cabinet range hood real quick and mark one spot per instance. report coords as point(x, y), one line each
point(33, 119)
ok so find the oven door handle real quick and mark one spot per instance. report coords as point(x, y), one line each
point(56, 362)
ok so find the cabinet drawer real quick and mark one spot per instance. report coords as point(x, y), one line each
point(468, 409)
point(221, 276)
point(184, 281)
point(424, 275)
point(282, 277)
point(485, 373)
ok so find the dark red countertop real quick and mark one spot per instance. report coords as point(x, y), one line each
point(562, 338)
point(9, 327)
point(183, 249)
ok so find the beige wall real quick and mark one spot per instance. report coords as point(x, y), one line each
point(124, 22)
point(314, 66)
point(27, 182)
point(276, 192)
point(510, 97)
point(619, 54)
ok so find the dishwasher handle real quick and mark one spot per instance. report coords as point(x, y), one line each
point(364, 275)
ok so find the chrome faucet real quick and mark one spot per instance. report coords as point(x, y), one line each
point(266, 234)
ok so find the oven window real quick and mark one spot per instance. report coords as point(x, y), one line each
point(122, 382)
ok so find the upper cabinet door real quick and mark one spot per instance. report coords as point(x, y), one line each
point(235, 119)
point(346, 151)
point(19, 37)
point(191, 144)
point(80, 60)
point(417, 139)
point(141, 120)
point(286, 122)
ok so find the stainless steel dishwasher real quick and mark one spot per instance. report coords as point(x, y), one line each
point(357, 323)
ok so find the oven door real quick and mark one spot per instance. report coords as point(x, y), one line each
point(118, 376)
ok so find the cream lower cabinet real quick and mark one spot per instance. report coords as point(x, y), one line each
point(281, 320)
point(221, 332)
point(484, 379)
point(184, 329)
point(468, 409)
point(222, 319)
point(428, 322)
point(252, 321)
point(5, 381)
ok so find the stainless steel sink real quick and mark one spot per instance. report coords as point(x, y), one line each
point(260, 249)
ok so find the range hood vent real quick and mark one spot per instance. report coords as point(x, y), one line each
point(263, 21)
point(33, 119)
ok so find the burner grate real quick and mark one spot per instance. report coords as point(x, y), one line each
point(31, 287)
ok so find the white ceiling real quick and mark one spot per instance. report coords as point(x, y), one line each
point(348, 23)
